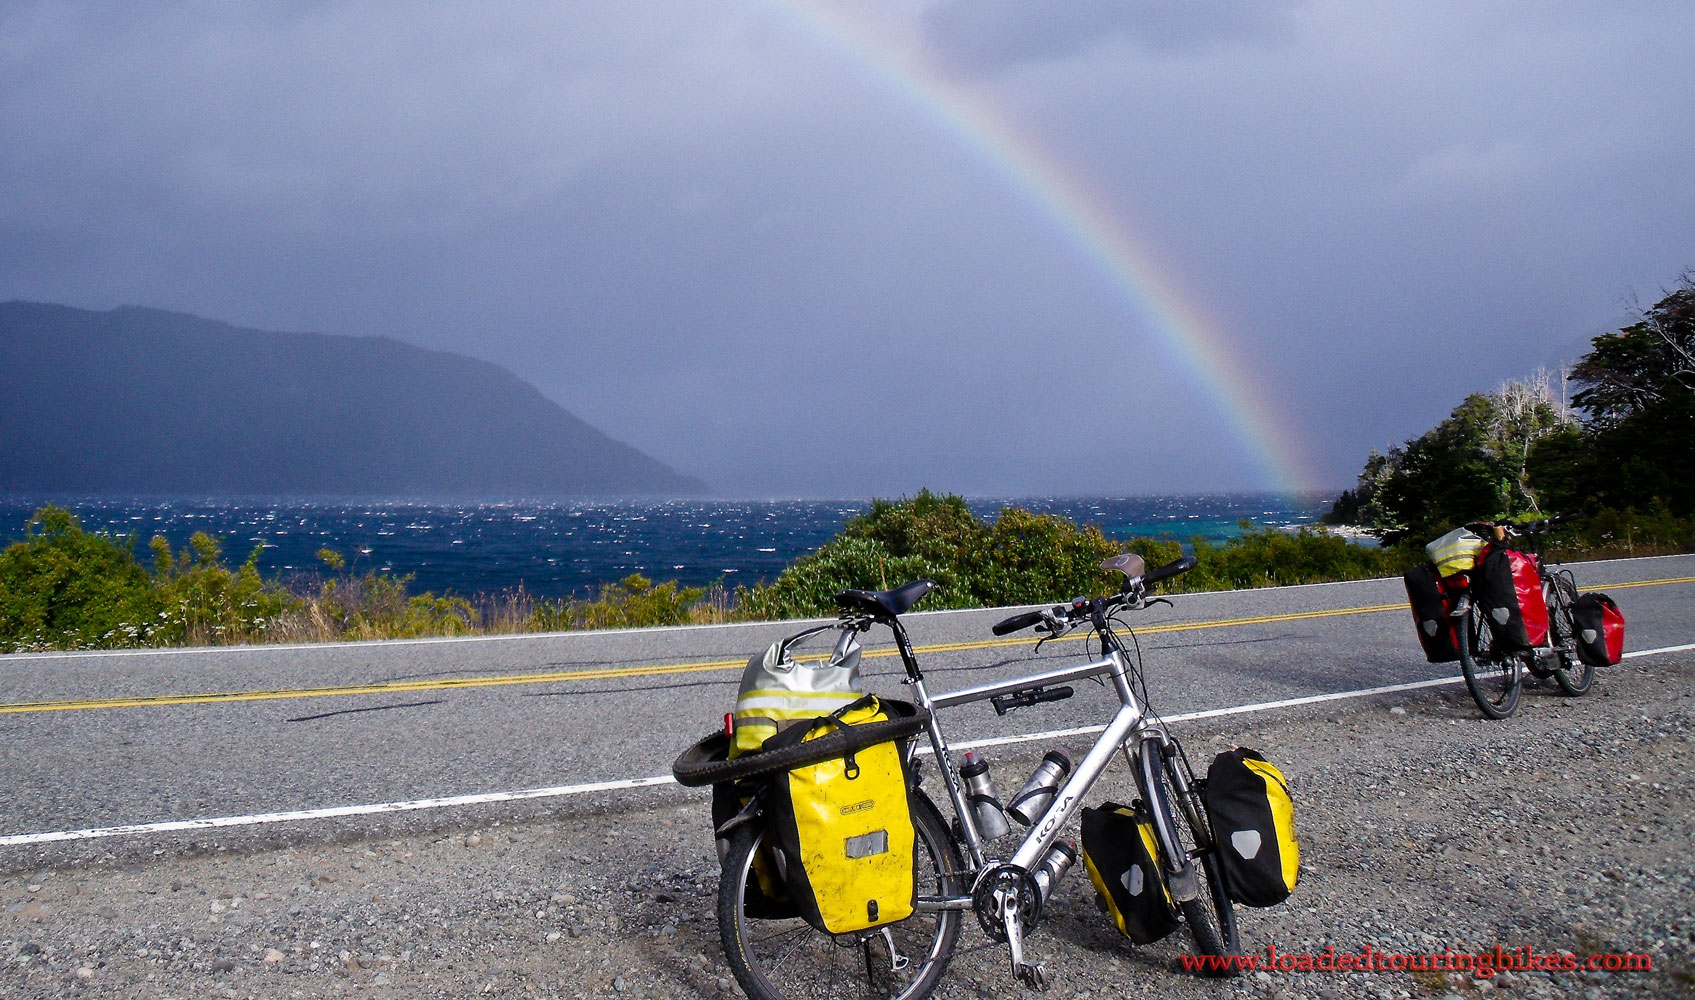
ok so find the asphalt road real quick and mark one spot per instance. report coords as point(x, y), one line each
point(233, 731)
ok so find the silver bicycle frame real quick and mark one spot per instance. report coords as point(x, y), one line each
point(1045, 832)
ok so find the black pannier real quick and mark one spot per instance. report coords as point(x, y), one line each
point(1508, 586)
point(1253, 821)
point(767, 898)
point(1600, 629)
point(1118, 851)
point(1431, 609)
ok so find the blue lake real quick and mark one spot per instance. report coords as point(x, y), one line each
point(553, 548)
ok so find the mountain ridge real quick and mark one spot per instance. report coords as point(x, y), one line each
point(146, 401)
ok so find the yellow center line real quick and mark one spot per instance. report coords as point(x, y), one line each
point(1651, 583)
point(658, 670)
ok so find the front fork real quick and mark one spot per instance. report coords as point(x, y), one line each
point(1147, 763)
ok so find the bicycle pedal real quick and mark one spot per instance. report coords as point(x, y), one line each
point(1035, 976)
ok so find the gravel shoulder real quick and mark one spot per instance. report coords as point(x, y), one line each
point(1568, 829)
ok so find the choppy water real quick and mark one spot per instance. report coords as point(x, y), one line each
point(557, 548)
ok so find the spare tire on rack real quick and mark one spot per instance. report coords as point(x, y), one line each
point(707, 763)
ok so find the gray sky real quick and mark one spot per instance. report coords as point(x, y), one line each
point(746, 238)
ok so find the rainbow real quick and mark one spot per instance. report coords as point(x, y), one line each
point(1061, 197)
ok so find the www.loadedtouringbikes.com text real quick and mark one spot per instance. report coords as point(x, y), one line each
point(1483, 964)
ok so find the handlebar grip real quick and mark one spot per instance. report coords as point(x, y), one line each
point(1017, 622)
point(1170, 569)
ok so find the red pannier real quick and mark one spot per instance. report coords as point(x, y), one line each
point(1432, 606)
point(1600, 629)
point(1507, 584)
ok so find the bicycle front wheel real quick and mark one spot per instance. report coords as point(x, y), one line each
point(789, 959)
point(1211, 916)
point(1494, 678)
point(1573, 675)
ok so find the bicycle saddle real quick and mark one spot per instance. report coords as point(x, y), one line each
point(885, 603)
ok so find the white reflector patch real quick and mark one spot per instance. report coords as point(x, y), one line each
point(867, 844)
point(1589, 635)
point(1133, 881)
point(1501, 615)
point(1246, 843)
point(1429, 628)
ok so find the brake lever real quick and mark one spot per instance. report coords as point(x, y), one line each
point(1053, 627)
point(1157, 600)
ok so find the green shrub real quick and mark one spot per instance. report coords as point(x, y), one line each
point(1270, 557)
point(808, 587)
point(637, 602)
point(206, 602)
point(1034, 558)
point(1021, 558)
point(1611, 534)
point(64, 588)
point(377, 605)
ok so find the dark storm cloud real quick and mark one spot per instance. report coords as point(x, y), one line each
point(724, 237)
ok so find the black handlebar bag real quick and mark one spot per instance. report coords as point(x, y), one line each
point(1600, 629)
point(1119, 853)
point(1432, 607)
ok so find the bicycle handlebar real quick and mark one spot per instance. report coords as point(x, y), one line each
point(1017, 622)
point(1503, 530)
point(1170, 569)
point(1083, 607)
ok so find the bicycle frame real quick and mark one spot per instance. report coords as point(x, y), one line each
point(1129, 722)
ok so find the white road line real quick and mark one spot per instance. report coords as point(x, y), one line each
point(557, 791)
point(308, 814)
point(1662, 649)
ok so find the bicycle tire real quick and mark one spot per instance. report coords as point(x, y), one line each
point(1495, 681)
point(789, 959)
point(706, 763)
point(1574, 676)
point(1211, 918)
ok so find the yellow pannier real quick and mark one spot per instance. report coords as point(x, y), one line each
point(844, 826)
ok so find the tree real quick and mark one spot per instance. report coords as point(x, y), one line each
point(1473, 465)
point(1638, 390)
point(1645, 367)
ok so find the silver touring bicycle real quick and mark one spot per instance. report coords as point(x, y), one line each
point(962, 870)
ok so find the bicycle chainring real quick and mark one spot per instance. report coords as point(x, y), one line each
point(1029, 897)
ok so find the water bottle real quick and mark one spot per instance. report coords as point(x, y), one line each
point(980, 792)
point(1032, 800)
point(1054, 867)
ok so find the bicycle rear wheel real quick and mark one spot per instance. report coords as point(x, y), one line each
point(789, 959)
point(1573, 675)
point(1494, 678)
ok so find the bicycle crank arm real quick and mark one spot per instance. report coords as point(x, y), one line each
point(1031, 974)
